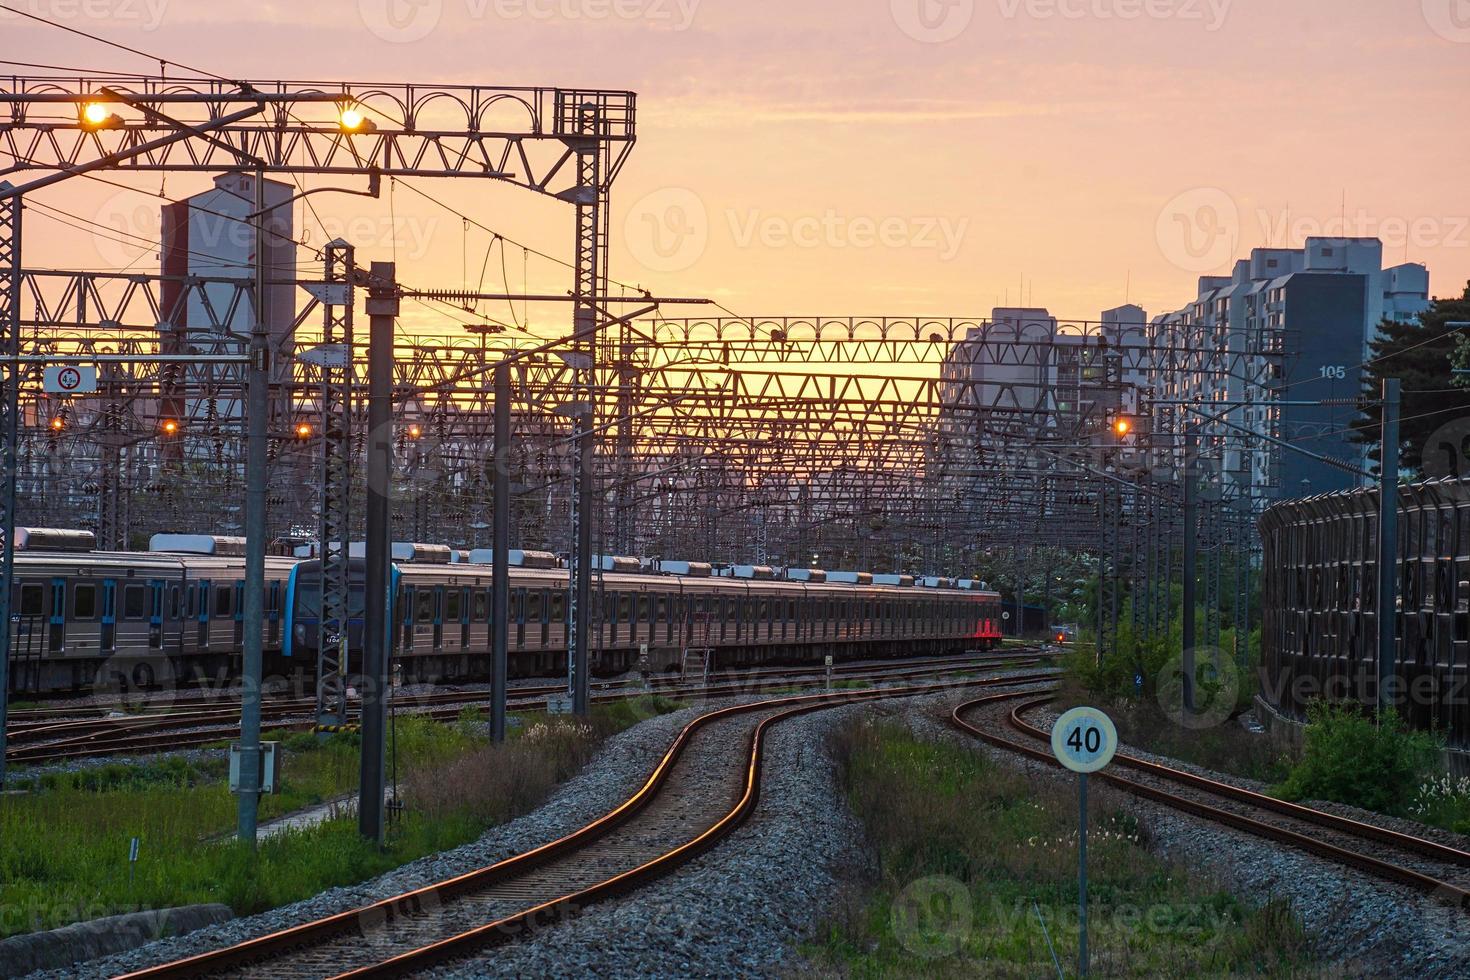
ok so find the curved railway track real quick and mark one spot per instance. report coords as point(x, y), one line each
point(62, 740)
point(697, 794)
point(225, 700)
point(1419, 863)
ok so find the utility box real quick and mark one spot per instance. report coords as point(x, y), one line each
point(270, 767)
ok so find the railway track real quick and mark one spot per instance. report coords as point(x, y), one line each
point(22, 719)
point(698, 793)
point(59, 741)
point(1416, 862)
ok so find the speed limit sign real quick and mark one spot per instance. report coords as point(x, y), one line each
point(1084, 740)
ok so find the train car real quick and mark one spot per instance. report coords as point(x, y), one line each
point(82, 618)
point(441, 617)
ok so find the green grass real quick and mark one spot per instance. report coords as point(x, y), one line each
point(65, 849)
point(968, 852)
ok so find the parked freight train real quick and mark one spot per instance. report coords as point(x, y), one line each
point(175, 613)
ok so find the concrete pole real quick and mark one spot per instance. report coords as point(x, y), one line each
point(500, 557)
point(382, 308)
point(257, 432)
point(1388, 543)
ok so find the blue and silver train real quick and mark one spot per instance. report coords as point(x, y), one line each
point(82, 617)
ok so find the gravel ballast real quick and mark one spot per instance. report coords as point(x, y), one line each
point(620, 767)
point(1360, 924)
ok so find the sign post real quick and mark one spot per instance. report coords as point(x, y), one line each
point(1083, 740)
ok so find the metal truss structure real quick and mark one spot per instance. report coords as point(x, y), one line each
point(917, 444)
point(844, 442)
point(565, 143)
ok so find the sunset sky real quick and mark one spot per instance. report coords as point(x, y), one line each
point(875, 156)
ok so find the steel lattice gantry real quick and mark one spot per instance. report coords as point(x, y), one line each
point(567, 143)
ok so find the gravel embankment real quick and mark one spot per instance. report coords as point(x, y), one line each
point(753, 896)
point(1361, 925)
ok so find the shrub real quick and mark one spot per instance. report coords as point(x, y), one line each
point(1348, 757)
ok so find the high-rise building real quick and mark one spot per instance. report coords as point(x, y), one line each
point(1288, 325)
point(212, 235)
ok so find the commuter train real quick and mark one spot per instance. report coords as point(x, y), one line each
point(83, 618)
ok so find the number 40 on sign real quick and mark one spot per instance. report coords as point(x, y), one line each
point(1084, 740)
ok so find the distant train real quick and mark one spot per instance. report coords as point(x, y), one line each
point(175, 613)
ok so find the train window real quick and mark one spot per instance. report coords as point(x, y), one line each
point(273, 597)
point(84, 602)
point(173, 602)
point(625, 607)
point(517, 605)
point(558, 607)
point(643, 608)
point(732, 609)
point(763, 613)
point(663, 609)
point(452, 606)
point(533, 606)
point(30, 600)
point(481, 613)
point(222, 600)
point(135, 602)
point(423, 605)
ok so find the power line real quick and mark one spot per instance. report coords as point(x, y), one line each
point(110, 43)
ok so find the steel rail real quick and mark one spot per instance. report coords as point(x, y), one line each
point(118, 736)
point(1377, 867)
point(408, 904)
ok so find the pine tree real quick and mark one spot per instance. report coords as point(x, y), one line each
point(1420, 355)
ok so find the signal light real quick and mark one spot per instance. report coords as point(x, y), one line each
point(1122, 426)
point(353, 121)
point(98, 115)
point(170, 427)
point(303, 430)
point(58, 423)
point(414, 432)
